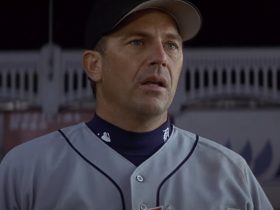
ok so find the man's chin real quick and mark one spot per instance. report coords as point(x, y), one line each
point(152, 108)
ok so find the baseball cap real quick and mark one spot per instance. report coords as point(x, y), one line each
point(106, 15)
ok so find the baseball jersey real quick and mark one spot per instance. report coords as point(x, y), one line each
point(71, 169)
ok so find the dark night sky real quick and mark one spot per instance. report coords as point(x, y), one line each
point(24, 23)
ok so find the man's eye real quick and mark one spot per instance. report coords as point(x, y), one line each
point(172, 45)
point(136, 42)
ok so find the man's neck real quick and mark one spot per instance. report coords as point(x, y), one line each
point(133, 122)
point(134, 146)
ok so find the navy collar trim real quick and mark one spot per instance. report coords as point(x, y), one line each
point(130, 143)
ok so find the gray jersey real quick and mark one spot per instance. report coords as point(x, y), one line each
point(74, 170)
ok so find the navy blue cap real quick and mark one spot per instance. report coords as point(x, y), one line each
point(107, 14)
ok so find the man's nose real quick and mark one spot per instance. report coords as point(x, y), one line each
point(158, 54)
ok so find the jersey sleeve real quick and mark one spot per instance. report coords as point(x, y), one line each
point(12, 182)
point(8, 183)
point(258, 196)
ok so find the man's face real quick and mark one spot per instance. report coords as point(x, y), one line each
point(141, 65)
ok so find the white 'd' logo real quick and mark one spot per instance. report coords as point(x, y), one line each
point(165, 134)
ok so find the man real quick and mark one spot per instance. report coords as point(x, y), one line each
point(130, 156)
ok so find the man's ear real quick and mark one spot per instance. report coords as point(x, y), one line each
point(92, 62)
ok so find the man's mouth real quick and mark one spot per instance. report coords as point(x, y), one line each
point(154, 81)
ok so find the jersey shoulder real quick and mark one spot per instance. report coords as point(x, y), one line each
point(41, 147)
point(214, 152)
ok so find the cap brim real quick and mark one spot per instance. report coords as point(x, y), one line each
point(186, 15)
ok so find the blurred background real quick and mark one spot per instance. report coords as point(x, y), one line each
point(239, 23)
point(229, 89)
